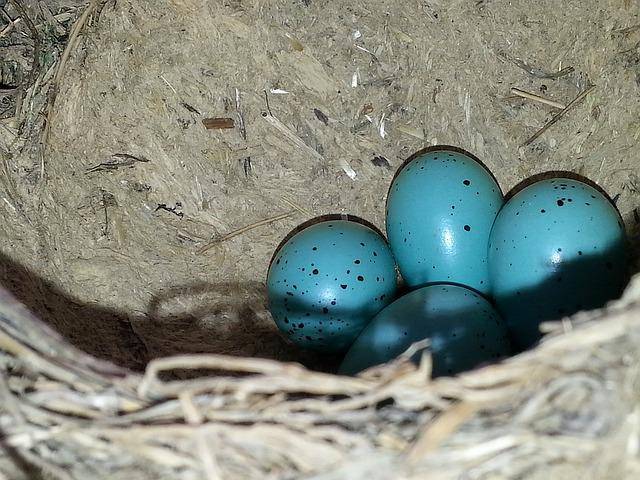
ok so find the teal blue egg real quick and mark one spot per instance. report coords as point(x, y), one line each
point(440, 210)
point(463, 328)
point(558, 246)
point(328, 281)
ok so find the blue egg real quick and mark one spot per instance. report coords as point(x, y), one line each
point(440, 210)
point(328, 281)
point(557, 247)
point(463, 328)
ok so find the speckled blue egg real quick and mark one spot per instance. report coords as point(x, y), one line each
point(463, 328)
point(440, 210)
point(328, 281)
point(557, 247)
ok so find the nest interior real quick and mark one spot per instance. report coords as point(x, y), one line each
point(135, 232)
point(107, 226)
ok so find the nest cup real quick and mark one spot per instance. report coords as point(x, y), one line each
point(125, 353)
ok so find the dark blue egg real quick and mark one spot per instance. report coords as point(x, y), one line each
point(440, 210)
point(463, 328)
point(557, 247)
point(328, 281)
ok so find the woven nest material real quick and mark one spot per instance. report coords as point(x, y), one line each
point(568, 409)
point(133, 232)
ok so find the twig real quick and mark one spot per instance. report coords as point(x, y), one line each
point(537, 98)
point(304, 211)
point(242, 230)
point(174, 210)
point(9, 401)
point(107, 200)
point(442, 428)
point(119, 160)
point(243, 132)
point(194, 417)
point(12, 23)
point(218, 123)
point(539, 73)
point(560, 114)
point(168, 84)
point(61, 17)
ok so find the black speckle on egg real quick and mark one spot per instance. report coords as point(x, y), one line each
point(542, 211)
point(314, 248)
point(333, 302)
point(325, 310)
point(315, 271)
point(466, 182)
point(343, 286)
point(357, 262)
point(559, 250)
point(467, 228)
point(286, 320)
point(560, 203)
point(290, 294)
point(348, 272)
point(300, 325)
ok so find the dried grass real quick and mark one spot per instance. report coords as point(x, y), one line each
point(108, 255)
point(570, 405)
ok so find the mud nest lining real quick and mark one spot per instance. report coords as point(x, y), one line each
point(135, 232)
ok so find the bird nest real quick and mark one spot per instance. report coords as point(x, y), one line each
point(137, 184)
point(567, 409)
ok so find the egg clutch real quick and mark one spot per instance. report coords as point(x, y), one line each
point(481, 273)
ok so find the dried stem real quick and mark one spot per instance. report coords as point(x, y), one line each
point(240, 231)
point(560, 114)
point(537, 98)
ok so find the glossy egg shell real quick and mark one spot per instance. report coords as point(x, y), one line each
point(463, 328)
point(328, 281)
point(557, 247)
point(440, 210)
